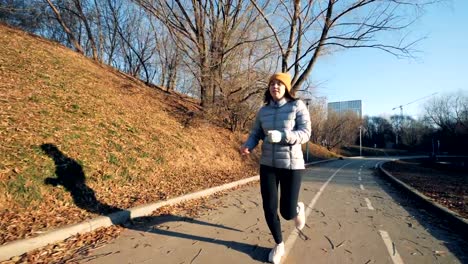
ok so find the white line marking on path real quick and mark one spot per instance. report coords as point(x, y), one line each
point(369, 205)
point(359, 178)
point(359, 173)
point(377, 164)
point(362, 187)
point(294, 234)
point(391, 247)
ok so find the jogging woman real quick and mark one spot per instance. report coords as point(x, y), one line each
point(283, 124)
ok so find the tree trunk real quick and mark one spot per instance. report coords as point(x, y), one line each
point(67, 30)
point(88, 29)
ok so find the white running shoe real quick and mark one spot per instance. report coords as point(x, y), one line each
point(300, 218)
point(276, 253)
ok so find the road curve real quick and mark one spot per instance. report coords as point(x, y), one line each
point(354, 216)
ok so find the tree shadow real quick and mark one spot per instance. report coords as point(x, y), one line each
point(140, 223)
point(69, 174)
point(155, 225)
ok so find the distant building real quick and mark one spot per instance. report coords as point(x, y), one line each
point(346, 106)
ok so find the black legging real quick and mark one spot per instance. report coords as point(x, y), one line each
point(290, 184)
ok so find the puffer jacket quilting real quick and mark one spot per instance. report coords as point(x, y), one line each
point(293, 120)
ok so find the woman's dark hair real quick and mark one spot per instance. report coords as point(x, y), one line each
point(267, 96)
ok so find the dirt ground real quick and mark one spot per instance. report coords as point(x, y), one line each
point(444, 180)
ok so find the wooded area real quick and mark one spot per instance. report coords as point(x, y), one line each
point(222, 52)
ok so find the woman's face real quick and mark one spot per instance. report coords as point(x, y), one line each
point(277, 90)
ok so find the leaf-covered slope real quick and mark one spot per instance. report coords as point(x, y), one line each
point(68, 121)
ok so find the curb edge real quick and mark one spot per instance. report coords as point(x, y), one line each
point(21, 246)
point(458, 221)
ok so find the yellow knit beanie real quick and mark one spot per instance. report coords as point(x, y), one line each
point(283, 77)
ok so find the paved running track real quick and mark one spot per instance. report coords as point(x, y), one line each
point(354, 216)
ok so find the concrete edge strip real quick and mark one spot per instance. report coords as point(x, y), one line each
point(22, 246)
point(460, 220)
point(19, 247)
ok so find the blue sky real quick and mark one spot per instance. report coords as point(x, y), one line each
point(383, 81)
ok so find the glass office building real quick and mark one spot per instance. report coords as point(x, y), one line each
point(346, 106)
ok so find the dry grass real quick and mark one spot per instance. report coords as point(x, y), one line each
point(131, 144)
point(317, 152)
point(134, 143)
point(441, 181)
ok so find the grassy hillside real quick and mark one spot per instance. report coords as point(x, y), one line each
point(113, 142)
point(80, 139)
point(317, 152)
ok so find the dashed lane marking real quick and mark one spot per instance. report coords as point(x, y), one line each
point(377, 164)
point(295, 233)
point(391, 247)
point(369, 205)
point(362, 187)
point(360, 178)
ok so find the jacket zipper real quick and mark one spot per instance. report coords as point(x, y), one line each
point(274, 145)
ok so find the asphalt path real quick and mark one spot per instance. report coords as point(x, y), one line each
point(353, 216)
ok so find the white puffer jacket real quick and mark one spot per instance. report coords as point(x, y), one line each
point(293, 120)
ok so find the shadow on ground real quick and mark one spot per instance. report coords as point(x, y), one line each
point(69, 174)
point(155, 225)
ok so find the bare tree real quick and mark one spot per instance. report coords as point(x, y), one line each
point(65, 27)
point(169, 57)
point(77, 8)
point(116, 32)
point(412, 132)
point(99, 19)
point(28, 15)
point(318, 117)
point(378, 131)
point(112, 15)
point(341, 129)
point(304, 30)
point(137, 43)
point(86, 22)
point(207, 32)
point(448, 113)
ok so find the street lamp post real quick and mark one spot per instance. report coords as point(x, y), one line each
point(307, 100)
point(360, 140)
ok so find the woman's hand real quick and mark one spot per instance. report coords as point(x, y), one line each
point(244, 151)
point(274, 136)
